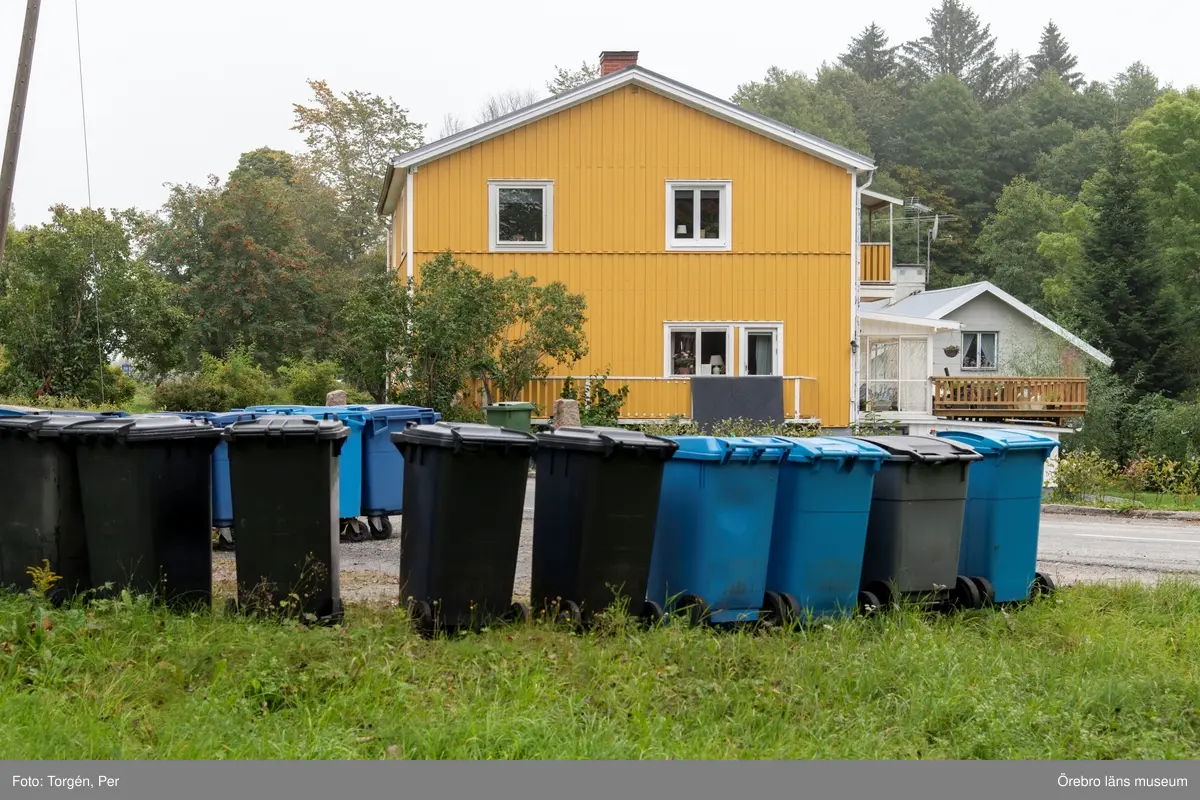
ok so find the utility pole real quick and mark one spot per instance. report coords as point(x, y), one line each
point(16, 117)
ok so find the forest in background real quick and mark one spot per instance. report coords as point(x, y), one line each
point(1078, 194)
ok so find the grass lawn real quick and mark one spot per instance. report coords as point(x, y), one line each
point(1097, 672)
point(1167, 502)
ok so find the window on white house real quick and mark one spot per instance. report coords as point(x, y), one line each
point(979, 351)
point(895, 374)
point(521, 215)
point(698, 215)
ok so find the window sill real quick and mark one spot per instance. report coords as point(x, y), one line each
point(700, 247)
point(520, 248)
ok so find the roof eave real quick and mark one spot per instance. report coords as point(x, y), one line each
point(640, 76)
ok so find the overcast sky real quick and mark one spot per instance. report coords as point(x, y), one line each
point(175, 91)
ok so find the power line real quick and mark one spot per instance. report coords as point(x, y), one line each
point(87, 170)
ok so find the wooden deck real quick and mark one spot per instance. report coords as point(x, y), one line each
point(1047, 399)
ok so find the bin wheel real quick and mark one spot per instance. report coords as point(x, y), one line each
point(518, 614)
point(225, 539)
point(882, 591)
point(652, 614)
point(869, 604)
point(779, 609)
point(1043, 585)
point(965, 594)
point(987, 592)
point(569, 613)
point(697, 610)
point(421, 615)
point(381, 528)
point(355, 530)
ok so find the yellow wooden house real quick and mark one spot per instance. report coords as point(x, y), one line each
point(706, 238)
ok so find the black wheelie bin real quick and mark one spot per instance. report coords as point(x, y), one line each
point(41, 513)
point(594, 516)
point(146, 486)
point(464, 499)
point(284, 482)
point(915, 526)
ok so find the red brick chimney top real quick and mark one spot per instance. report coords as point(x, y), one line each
point(613, 60)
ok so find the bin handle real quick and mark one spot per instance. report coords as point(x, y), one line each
point(756, 451)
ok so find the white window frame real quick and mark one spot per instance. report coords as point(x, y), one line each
point(864, 376)
point(725, 243)
point(697, 328)
point(744, 331)
point(995, 351)
point(494, 243)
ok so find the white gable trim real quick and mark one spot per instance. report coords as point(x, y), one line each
point(919, 322)
point(646, 79)
point(990, 288)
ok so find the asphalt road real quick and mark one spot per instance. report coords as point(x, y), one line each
point(1071, 549)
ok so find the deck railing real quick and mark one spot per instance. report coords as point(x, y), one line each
point(1023, 398)
point(655, 398)
point(875, 262)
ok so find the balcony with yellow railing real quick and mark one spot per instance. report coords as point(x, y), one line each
point(1051, 399)
point(655, 398)
point(875, 263)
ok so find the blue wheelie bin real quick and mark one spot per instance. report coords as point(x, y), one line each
point(1004, 507)
point(713, 532)
point(820, 528)
point(383, 464)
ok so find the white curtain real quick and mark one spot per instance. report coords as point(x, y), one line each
point(763, 353)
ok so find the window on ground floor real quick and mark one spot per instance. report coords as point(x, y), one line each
point(979, 350)
point(707, 348)
point(894, 374)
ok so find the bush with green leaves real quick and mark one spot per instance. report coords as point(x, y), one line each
point(599, 406)
point(235, 381)
point(1083, 473)
point(308, 382)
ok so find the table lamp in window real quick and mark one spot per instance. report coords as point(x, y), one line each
point(718, 365)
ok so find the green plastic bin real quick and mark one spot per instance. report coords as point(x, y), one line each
point(515, 415)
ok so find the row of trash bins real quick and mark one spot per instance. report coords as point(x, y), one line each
point(724, 530)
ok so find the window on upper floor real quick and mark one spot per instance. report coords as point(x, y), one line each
point(979, 350)
point(699, 215)
point(521, 216)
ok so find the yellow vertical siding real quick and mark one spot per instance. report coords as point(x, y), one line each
point(610, 159)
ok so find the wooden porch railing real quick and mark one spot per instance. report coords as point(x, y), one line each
point(653, 398)
point(875, 263)
point(1021, 398)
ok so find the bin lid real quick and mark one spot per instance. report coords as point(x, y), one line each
point(600, 439)
point(1000, 441)
point(730, 448)
point(144, 428)
point(41, 426)
point(807, 449)
point(511, 405)
point(384, 411)
point(354, 416)
point(925, 449)
point(473, 435)
point(288, 425)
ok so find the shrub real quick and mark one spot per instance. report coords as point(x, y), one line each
point(1083, 472)
point(222, 383)
point(600, 406)
point(307, 382)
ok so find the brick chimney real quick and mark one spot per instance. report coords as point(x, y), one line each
point(613, 60)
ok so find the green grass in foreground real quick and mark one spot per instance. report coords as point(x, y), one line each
point(1096, 672)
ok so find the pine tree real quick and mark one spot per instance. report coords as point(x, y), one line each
point(1121, 301)
point(1054, 55)
point(869, 55)
point(957, 44)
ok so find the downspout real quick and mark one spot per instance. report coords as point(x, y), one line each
point(855, 273)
